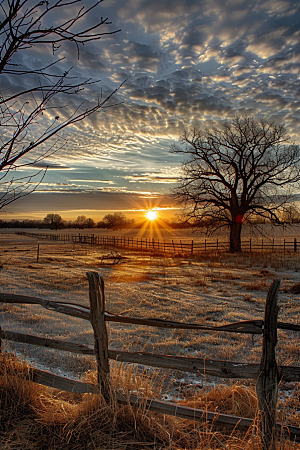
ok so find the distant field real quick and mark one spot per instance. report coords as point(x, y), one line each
point(257, 232)
point(212, 289)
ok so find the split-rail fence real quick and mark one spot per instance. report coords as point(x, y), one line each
point(267, 374)
point(162, 246)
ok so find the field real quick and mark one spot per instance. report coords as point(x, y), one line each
point(209, 289)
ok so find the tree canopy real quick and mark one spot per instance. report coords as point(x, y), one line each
point(246, 167)
point(54, 221)
point(116, 220)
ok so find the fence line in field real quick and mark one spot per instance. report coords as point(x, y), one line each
point(267, 373)
point(162, 246)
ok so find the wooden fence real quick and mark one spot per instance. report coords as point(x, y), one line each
point(162, 246)
point(267, 374)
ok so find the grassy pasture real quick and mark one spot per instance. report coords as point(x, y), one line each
point(211, 289)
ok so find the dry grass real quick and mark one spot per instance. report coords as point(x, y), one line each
point(127, 278)
point(35, 417)
point(257, 285)
point(208, 289)
point(212, 288)
point(236, 399)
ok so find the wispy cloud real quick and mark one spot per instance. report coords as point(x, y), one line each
point(94, 181)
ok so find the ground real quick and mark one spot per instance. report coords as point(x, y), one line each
point(206, 289)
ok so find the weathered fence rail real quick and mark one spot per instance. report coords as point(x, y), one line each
point(267, 374)
point(162, 246)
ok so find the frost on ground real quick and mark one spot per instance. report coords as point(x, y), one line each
point(209, 289)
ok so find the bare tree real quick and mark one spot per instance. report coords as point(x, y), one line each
point(24, 126)
point(245, 168)
point(53, 221)
point(116, 220)
point(90, 223)
point(80, 222)
point(291, 214)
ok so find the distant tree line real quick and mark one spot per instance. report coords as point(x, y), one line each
point(118, 220)
point(54, 221)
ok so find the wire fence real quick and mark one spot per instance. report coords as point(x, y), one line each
point(174, 246)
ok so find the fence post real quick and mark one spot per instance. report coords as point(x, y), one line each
point(192, 248)
point(38, 253)
point(267, 382)
point(295, 244)
point(97, 319)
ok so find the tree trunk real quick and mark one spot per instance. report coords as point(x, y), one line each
point(235, 237)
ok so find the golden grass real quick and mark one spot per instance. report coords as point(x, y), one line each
point(257, 285)
point(35, 417)
point(156, 285)
point(127, 278)
point(236, 399)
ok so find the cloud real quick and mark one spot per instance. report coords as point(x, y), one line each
point(187, 63)
point(94, 181)
point(50, 165)
point(97, 201)
point(151, 178)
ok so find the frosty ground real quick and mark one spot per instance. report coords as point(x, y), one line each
point(209, 289)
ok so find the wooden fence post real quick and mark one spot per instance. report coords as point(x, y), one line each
point(267, 382)
point(97, 318)
point(38, 253)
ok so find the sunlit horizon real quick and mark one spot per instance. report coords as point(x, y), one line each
point(151, 215)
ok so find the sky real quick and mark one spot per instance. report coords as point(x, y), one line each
point(184, 64)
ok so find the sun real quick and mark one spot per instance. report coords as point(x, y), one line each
point(151, 215)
